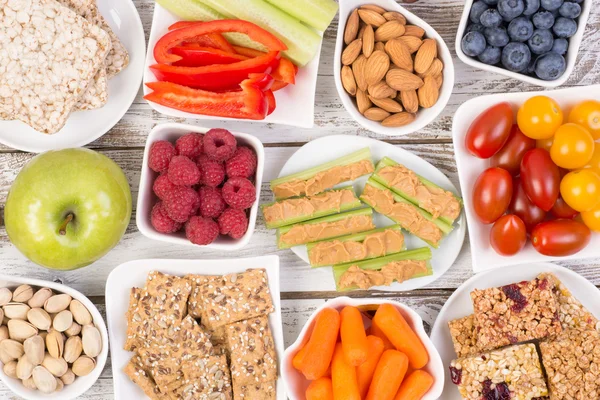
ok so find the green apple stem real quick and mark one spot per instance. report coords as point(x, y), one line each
point(63, 227)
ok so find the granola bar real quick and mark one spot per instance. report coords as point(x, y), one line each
point(515, 313)
point(262, 391)
point(512, 373)
point(463, 336)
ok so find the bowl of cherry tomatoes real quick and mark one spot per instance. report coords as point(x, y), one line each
point(529, 168)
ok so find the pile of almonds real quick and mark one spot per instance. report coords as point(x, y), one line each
point(46, 339)
point(388, 66)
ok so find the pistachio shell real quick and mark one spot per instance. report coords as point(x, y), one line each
point(3, 332)
point(59, 385)
point(21, 330)
point(5, 357)
point(44, 380)
point(63, 321)
point(1, 314)
point(24, 368)
point(68, 377)
point(83, 366)
point(16, 311)
point(39, 318)
point(92, 341)
point(74, 330)
point(40, 297)
point(56, 366)
point(57, 303)
point(35, 349)
point(12, 349)
point(55, 344)
point(73, 349)
point(10, 369)
point(5, 296)
point(22, 294)
point(80, 313)
point(29, 384)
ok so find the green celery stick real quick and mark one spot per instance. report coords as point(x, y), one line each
point(331, 218)
point(315, 13)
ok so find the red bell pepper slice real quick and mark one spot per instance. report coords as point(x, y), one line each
point(249, 103)
point(215, 40)
point(197, 56)
point(278, 85)
point(285, 72)
point(247, 51)
point(177, 36)
point(271, 101)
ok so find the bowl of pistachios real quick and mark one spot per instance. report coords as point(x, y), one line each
point(53, 340)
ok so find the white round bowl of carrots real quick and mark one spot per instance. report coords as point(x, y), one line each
point(363, 349)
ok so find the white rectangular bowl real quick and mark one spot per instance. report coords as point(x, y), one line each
point(134, 273)
point(470, 167)
point(295, 103)
point(147, 198)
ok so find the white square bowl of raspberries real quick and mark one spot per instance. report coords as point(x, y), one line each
point(200, 186)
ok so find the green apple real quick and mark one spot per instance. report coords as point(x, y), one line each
point(68, 208)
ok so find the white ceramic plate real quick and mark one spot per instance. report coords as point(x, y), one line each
point(425, 115)
point(84, 127)
point(81, 384)
point(331, 147)
point(295, 103)
point(134, 273)
point(295, 382)
point(470, 167)
point(459, 305)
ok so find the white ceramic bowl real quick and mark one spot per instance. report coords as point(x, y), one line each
point(81, 384)
point(425, 115)
point(147, 198)
point(295, 382)
point(571, 57)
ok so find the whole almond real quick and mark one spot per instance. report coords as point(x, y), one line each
point(439, 80)
point(57, 366)
point(57, 303)
point(35, 349)
point(91, 340)
point(23, 293)
point(351, 52)
point(39, 318)
point(371, 17)
point(398, 120)
point(412, 42)
point(20, 330)
point(368, 39)
point(425, 56)
point(399, 54)
point(410, 100)
point(412, 30)
point(428, 93)
point(10, 369)
point(352, 26)
point(12, 349)
point(80, 313)
point(389, 30)
point(74, 329)
point(73, 349)
point(358, 70)
point(376, 67)
point(435, 68)
point(376, 114)
point(16, 311)
point(379, 46)
point(381, 90)
point(55, 344)
point(68, 377)
point(5, 296)
point(40, 297)
point(387, 104)
point(24, 368)
point(362, 101)
point(44, 380)
point(400, 79)
point(348, 80)
point(83, 366)
point(373, 7)
point(393, 15)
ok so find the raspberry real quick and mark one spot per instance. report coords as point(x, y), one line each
point(242, 164)
point(163, 186)
point(201, 231)
point(183, 171)
point(219, 144)
point(212, 173)
point(233, 223)
point(160, 155)
point(211, 202)
point(239, 193)
point(182, 203)
point(161, 221)
point(189, 145)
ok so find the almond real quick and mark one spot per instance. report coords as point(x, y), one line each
point(412, 30)
point(368, 41)
point(439, 80)
point(376, 67)
point(362, 101)
point(358, 68)
point(387, 104)
point(352, 26)
point(389, 30)
point(347, 81)
point(373, 7)
point(412, 42)
point(381, 91)
point(399, 54)
point(393, 15)
point(400, 79)
point(376, 114)
point(361, 31)
point(380, 46)
point(428, 93)
point(425, 56)
point(410, 100)
point(371, 17)
point(351, 52)
point(398, 120)
point(434, 69)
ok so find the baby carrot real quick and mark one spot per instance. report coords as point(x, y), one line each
point(415, 386)
point(320, 389)
point(297, 360)
point(343, 377)
point(365, 371)
point(388, 375)
point(321, 345)
point(376, 331)
point(395, 327)
point(354, 338)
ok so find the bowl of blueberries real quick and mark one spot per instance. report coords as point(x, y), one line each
point(535, 41)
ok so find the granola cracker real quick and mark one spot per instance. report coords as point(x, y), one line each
point(463, 336)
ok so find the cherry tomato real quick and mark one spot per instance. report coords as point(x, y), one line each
point(592, 219)
point(545, 144)
point(587, 114)
point(510, 156)
point(562, 210)
point(595, 161)
point(573, 146)
point(581, 189)
point(539, 117)
point(491, 194)
point(540, 178)
point(508, 235)
point(561, 237)
point(488, 133)
point(522, 207)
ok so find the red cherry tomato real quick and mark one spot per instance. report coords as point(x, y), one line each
point(491, 194)
point(510, 156)
point(489, 132)
point(560, 238)
point(508, 235)
point(540, 178)
point(522, 207)
point(562, 210)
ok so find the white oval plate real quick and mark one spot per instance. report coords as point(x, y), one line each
point(459, 305)
point(84, 127)
point(331, 147)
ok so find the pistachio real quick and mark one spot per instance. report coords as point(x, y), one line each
point(21, 330)
point(74, 330)
point(1, 314)
point(57, 366)
point(5, 357)
point(29, 384)
point(83, 366)
point(40, 297)
point(44, 380)
point(63, 321)
point(12, 349)
point(43, 335)
point(35, 349)
point(5, 296)
point(92, 341)
point(73, 349)
point(3, 333)
point(59, 385)
point(10, 369)
point(22, 294)
point(55, 344)
point(39, 318)
point(24, 368)
point(80, 313)
point(68, 377)
point(57, 303)
point(16, 311)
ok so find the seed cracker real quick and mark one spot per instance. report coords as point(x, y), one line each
point(262, 391)
point(137, 372)
point(195, 301)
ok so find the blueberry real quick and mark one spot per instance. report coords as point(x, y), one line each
point(531, 67)
point(475, 28)
point(550, 66)
point(570, 10)
point(516, 56)
point(543, 20)
point(491, 18)
point(541, 41)
point(576, 1)
point(476, 10)
point(560, 46)
point(510, 9)
point(491, 55)
point(496, 36)
point(490, 2)
point(531, 7)
point(473, 44)
point(551, 5)
point(520, 29)
point(564, 27)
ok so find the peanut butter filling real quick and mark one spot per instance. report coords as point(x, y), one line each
point(438, 202)
point(399, 271)
point(404, 214)
point(307, 233)
point(374, 245)
point(324, 180)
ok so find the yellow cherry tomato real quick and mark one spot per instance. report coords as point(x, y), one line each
point(539, 117)
point(545, 144)
point(592, 219)
point(573, 146)
point(587, 114)
point(594, 163)
point(581, 189)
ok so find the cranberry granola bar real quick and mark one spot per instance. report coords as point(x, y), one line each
point(463, 335)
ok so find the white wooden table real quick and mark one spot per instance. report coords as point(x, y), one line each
point(303, 289)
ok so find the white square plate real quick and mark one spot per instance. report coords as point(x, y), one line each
point(470, 167)
point(295, 103)
point(133, 274)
